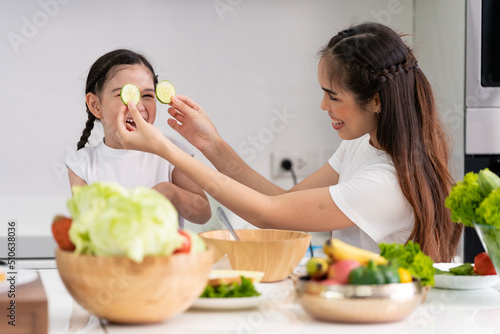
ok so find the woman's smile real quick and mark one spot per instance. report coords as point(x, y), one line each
point(336, 123)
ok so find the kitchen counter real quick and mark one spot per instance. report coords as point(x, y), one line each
point(444, 311)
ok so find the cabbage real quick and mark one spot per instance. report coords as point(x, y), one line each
point(110, 220)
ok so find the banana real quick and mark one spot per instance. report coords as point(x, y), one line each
point(317, 267)
point(338, 250)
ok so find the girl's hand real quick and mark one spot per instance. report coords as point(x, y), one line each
point(191, 122)
point(144, 137)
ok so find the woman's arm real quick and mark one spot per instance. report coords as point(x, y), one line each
point(187, 197)
point(192, 122)
point(310, 209)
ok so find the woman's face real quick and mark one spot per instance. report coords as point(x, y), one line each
point(347, 117)
point(108, 104)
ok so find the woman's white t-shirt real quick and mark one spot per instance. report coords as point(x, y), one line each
point(369, 194)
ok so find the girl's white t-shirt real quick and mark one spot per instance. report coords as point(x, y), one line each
point(127, 167)
point(369, 194)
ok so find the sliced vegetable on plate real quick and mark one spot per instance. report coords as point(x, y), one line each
point(467, 275)
point(449, 279)
point(235, 289)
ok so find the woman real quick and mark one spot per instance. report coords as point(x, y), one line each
point(386, 183)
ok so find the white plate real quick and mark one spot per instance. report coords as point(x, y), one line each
point(269, 293)
point(462, 282)
point(22, 277)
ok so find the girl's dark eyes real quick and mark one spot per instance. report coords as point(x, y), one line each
point(333, 98)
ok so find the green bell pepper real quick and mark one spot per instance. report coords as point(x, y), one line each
point(373, 274)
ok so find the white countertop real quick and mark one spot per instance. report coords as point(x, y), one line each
point(444, 311)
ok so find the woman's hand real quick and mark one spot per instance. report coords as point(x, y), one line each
point(143, 137)
point(191, 122)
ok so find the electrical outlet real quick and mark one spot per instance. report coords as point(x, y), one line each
point(304, 163)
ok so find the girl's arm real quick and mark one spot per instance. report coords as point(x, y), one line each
point(75, 180)
point(188, 198)
point(191, 121)
point(308, 209)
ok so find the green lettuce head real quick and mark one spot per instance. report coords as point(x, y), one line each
point(489, 210)
point(110, 220)
point(464, 199)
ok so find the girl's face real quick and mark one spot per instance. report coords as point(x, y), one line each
point(108, 104)
point(347, 117)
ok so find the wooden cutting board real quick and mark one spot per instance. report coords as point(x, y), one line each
point(31, 314)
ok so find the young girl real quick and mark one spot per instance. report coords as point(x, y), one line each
point(389, 178)
point(109, 161)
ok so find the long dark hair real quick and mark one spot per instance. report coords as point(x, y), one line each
point(103, 70)
point(370, 59)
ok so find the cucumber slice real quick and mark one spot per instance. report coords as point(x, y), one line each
point(165, 90)
point(130, 92)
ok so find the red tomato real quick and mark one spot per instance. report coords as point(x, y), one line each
point(186, 244)
point(483, 265)
point(60, 229)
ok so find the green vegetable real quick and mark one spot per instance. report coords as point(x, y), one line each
point(130, 92)
point(110, 220)
point(165, 90)
point(374, 274)
point(489, 209)
point(411, 258)
point(488, 181)
point(391, 274)
point(234, 290)
point(367, 275)
point(463, 200)
point(465, 269)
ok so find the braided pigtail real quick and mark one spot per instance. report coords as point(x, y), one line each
point(392, 71)
point(89, 125)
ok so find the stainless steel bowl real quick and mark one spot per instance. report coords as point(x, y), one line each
point(359, 303)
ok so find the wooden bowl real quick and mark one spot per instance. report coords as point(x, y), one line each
point(123, 291)
point(274, 252)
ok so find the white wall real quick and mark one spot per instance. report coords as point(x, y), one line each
point(243, 61)
point(440, 48)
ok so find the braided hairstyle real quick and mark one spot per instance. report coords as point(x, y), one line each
point(370, 59)
point(103, 70)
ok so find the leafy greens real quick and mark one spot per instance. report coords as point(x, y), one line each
point(464, 199)
point(110, 220)
point(411, 258)
point(234, 290)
